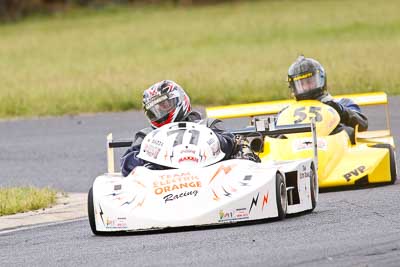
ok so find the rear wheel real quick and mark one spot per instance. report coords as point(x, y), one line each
point(281, 196)
point(91, 216)
point(392, 158)
point(313, 187)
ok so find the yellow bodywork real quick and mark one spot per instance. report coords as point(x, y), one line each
point(340, 163)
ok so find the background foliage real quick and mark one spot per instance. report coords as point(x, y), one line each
point(15, 9)
point(91, 60)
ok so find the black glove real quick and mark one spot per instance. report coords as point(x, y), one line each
point(336, 106)
point(348, 116)
point(340, 109)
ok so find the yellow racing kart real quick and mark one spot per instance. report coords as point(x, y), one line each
point(364, 158)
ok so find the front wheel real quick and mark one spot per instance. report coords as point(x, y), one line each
point(281, 196)
point(91, 216)
point(313, 187)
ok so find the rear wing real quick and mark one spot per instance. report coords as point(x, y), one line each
point(273, 107)
point(111, 144)
point(262, 128)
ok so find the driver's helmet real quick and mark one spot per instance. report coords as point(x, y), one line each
point(307, 79)
point(165, 102)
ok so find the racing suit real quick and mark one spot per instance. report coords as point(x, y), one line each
point(130, 159)
point(350, 115)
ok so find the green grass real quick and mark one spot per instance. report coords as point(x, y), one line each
point(21, 199)
point(91, 61)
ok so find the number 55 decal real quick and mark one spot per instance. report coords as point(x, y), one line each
point(302, 114)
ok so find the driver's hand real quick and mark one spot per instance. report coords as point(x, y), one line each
point(336, 106)
point(339, 109)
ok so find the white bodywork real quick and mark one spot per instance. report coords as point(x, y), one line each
point(234, 190)
point(180, 145)
point(229, 191)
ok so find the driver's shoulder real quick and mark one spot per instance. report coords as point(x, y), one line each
point(346, 101)
point(140, 135)
point(193, 116)
point(349, 103)
point(196, 117)
point(144, 131)
point(212, 123)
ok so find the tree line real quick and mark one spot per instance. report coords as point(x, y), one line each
point(16, 9)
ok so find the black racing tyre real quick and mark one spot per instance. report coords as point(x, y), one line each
point(92, 221)
point(313, 186)
point(392, 156)
point(281, 196)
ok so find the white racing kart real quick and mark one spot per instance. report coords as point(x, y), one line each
point(199, 189)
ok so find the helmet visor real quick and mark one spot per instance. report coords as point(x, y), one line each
point(159, 107)
point(306, 83)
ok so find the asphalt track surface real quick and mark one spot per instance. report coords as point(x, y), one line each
point(348, 228)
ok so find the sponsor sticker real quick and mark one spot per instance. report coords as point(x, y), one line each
point(215, 149)
point(171, 197)
point(157, 142)
point(189, 151)
point(119, 223)
point(354, 173)
point(303, 175)
point(233, 215)
point(306, 143)
point(117, 187)
point(171, 182)
point(151, 150)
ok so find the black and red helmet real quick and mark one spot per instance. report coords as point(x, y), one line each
point(307, 79)
point(165, 102)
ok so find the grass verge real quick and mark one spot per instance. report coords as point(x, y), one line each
point(21, 199)
point(229, 53)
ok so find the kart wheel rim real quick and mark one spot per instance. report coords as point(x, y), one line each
point(312, 177)
point(283, 196)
